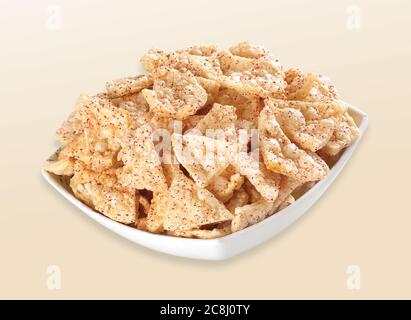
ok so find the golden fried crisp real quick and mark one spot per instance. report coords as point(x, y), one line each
point(252, 78)
point(102, 192)
point(212, 87)
point(248, 50)
point(287, 202)
point(282, 156)
point(202, 233)
point(246, 108)
point(127, 86)
point(261, 209)
point(343, 136)
point(190, 207)
point(220, 117)
point(308, 87)
point(309, 124)
point(61, 167)
point(240, 198)
point(224, 185)
point(200, 65)
point(251, 214)
point(203, 157)
point(157, 211)
point(175, 94)
point(252, 192)
point(265, 181)
point(142, 167)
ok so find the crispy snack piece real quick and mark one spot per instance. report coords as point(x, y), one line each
point(201, 62)
point(251, 214)
point(261, 209)
point(70, 128)
point(212, 87)
point(308, 87)
point(175, 94)
point(142, 168)
point(62, 167)
point(265, 181)
point(101, 127)
point(156, 213)
point(137, 108)
point(252, 78)
point(204, 158)
point(309, 124)
point(343, 136)
point(224, 185)
point(100, 119)
point(221, 120)
point(282, 156)
point(287, 202)
point(240, 198)
point(248, 50)
point(201, 50)
point(252, 192)
point(246, 108)
point(202, 233)
point(129, 85)
point(190, 207)
point(101, 192)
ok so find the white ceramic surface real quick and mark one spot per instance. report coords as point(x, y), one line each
point(230, 245)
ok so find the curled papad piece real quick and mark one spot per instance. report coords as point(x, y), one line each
point(190, 207)
point(282, 156)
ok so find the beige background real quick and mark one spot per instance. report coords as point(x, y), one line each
point(364, 219)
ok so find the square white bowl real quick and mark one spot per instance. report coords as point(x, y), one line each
point(232, 244)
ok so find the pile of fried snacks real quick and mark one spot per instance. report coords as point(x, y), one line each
point(206, 143)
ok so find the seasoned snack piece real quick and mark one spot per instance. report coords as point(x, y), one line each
point(224, 185)
point(251, 214)
point(201, 50)
point(200, 65)
point(220, 121)
point(240, 198)
point(261, 209)
point(69, 129)
point(190, 207)
point(202, 157)
point(127, 86)
point(252, 192)
point(202, 233)
point(62, 167)
point(137, 108)
point(248, 50)
point(101, 192)
point(309, 124)
point(308, 87)
point(155, 215)
point(287, 186)
point(282, 156)
point(142, 168)
point(246, 108)
point(287, 202)
point(265, 181)
point(343, 136)
point(175, 94)
point(100, 119)
point(252, 78)
point(212, 87)
point(102, 127)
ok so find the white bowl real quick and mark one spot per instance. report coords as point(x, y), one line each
point(232, 244)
